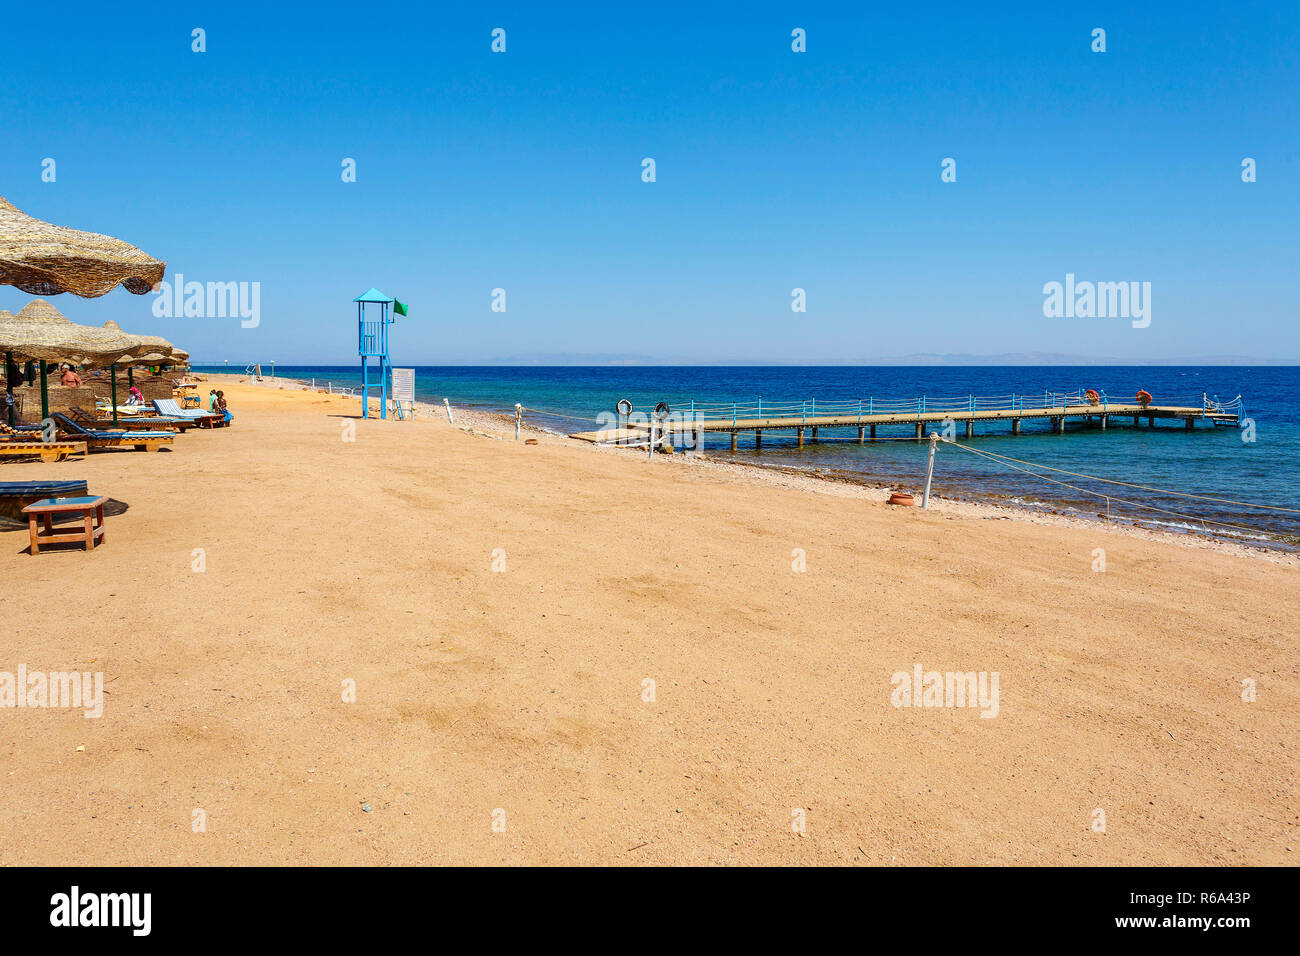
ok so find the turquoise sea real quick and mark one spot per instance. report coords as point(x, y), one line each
point(1207, 461)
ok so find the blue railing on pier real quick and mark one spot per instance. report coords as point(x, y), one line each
point(927, 404)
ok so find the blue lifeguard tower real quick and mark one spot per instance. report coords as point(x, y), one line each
point(372, 343)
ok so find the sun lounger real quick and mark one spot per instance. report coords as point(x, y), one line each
point(19, 429)
point(170, 408)
point(139, 440)
point(92, 421)
point(16, 495)
point(46, 451)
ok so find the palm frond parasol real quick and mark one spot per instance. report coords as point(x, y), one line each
point(43, 259)
point(42, 332)
point(153, 350)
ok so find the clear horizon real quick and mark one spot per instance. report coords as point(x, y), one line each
point(775, 170)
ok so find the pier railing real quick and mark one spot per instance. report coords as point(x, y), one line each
point(929, 404)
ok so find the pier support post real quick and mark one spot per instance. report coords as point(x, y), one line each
point(1151, 421)
point(873, 432)
point(758, 438)
point(1104, 420)
point(733, 441)
point(860, 430)
point(920, 431)
point(814, 434)
point(970, 428)
point(1059, 423)
point(1189, 423)
point(1015, 426)
point(1137, 420)
point(800, 433)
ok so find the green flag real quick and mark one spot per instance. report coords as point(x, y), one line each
point(399, 308)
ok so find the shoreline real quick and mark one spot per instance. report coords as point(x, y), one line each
point(470, 418)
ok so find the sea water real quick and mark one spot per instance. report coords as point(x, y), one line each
point(1208, 461)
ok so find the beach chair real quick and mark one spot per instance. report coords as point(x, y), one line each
point(170, 408)
point(21, 429)
point(17, 495)
point(92, 421)
point(46, 451)
point(95, 440)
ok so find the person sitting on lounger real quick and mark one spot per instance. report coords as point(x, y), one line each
point(212, 400)
point(69, 379)
point(222, 409)
point(135, 397)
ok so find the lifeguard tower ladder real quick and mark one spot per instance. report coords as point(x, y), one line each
point(372, 343)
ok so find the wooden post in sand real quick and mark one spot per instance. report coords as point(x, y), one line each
point(650, 446)
point(447, 403)
point(929, 469)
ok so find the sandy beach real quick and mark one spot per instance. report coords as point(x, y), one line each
point(564, 654)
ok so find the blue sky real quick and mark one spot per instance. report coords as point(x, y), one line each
point(775, 170)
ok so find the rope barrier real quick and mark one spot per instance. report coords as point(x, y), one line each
point(1109, 498)
point(542, 411)
point(1126, 484)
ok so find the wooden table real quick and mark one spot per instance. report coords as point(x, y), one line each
point(90, 508)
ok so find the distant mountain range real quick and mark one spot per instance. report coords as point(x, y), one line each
point(1054, 358)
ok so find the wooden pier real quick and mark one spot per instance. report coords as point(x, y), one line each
point(807, 419)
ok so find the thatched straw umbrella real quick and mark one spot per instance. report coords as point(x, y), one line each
point(45, 259)
point(41, 332)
